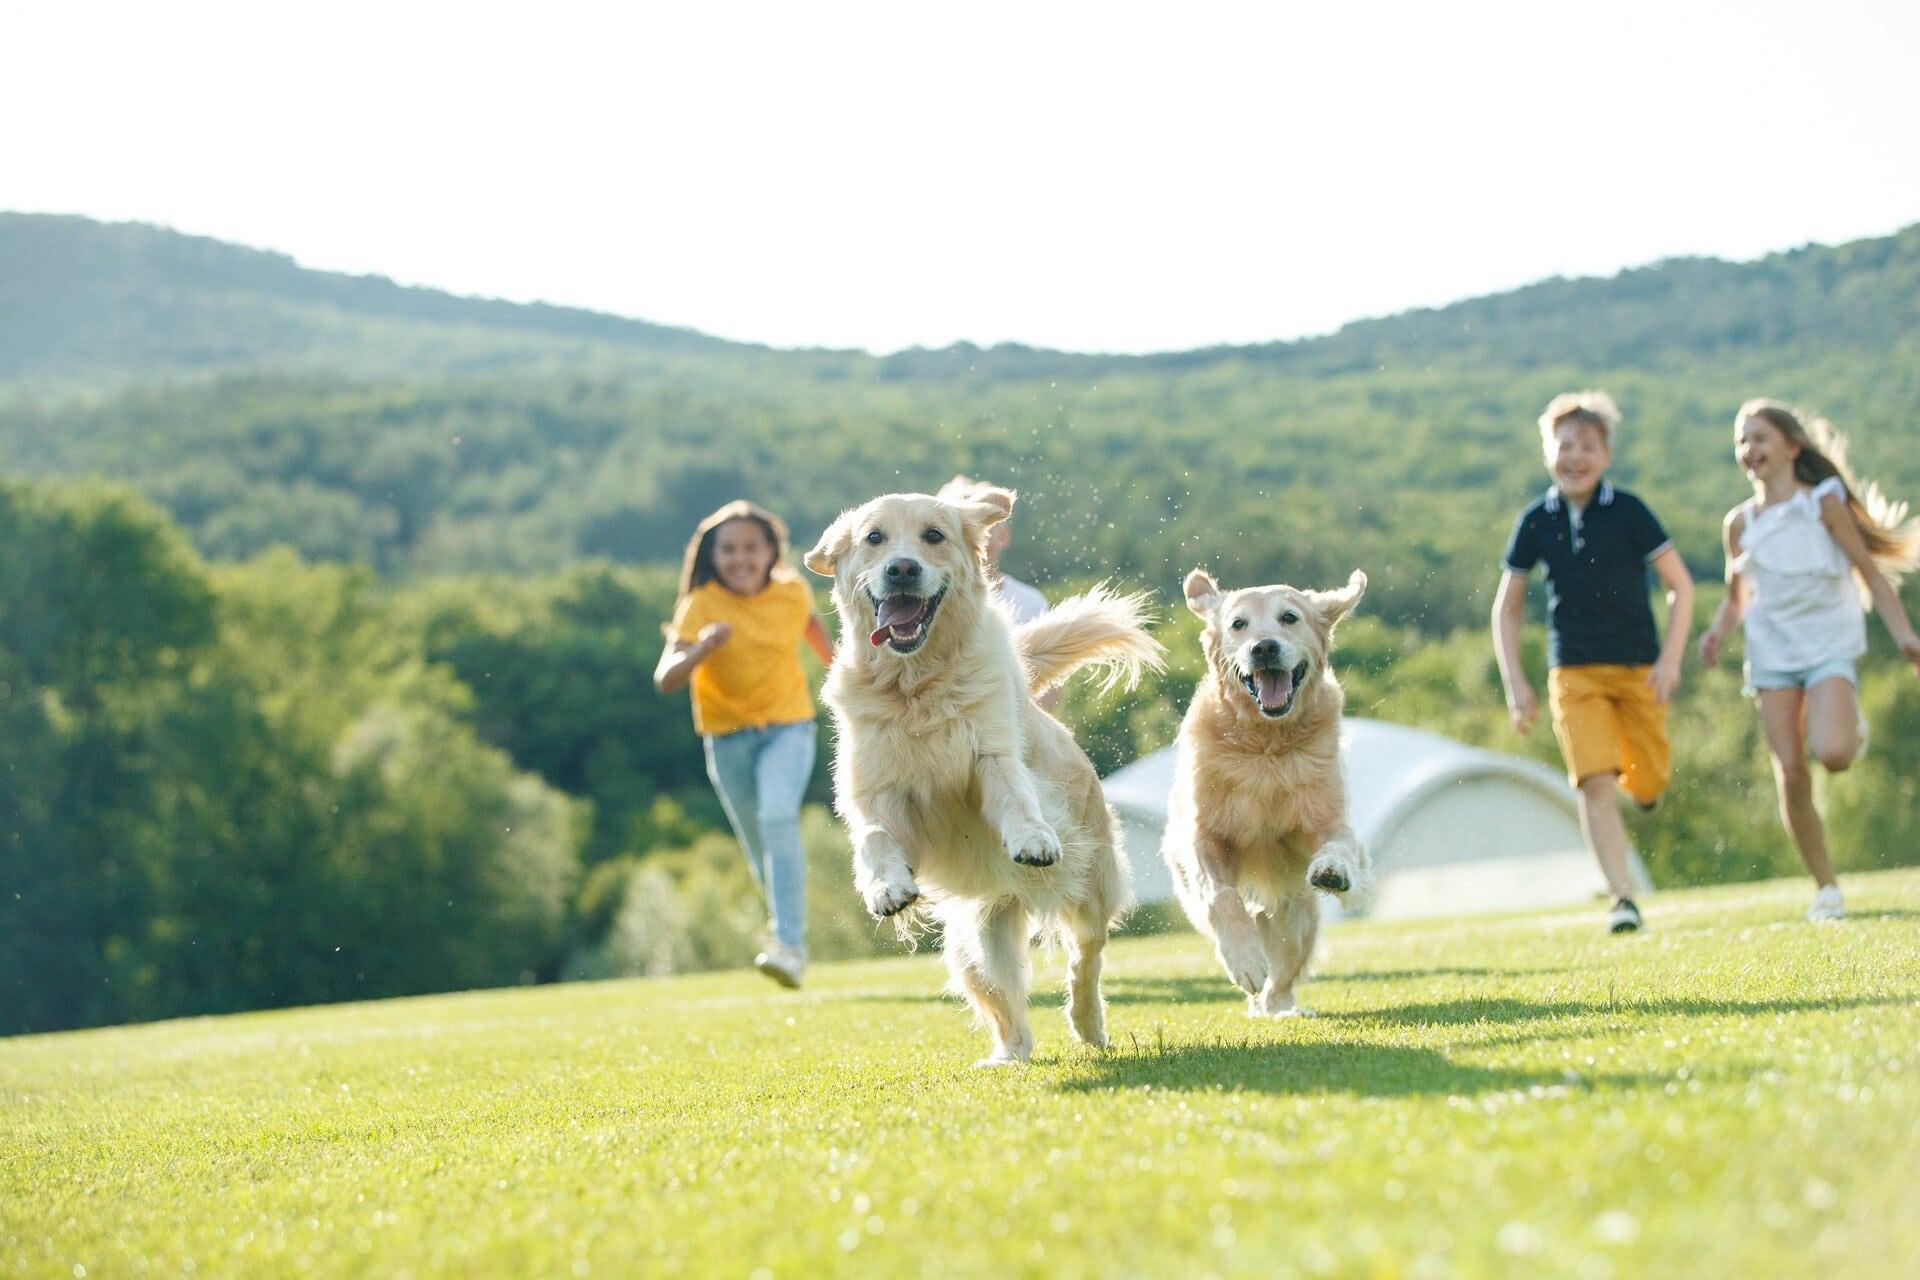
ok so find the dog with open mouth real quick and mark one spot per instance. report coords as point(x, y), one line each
point(959, 793)
point(1257, 820)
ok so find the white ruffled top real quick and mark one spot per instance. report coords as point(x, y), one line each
point(1802, 606)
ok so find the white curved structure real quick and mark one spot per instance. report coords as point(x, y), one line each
point(1451, 828)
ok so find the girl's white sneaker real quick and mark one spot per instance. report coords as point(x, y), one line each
point(1827, 905)
point(782, 963)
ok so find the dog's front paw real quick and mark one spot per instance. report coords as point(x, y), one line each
point(1331, 873)
point(1246, 965)
point(890, 897)
point(1035, 846)
point(1275, 1004)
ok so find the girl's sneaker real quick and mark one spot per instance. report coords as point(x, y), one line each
point(1624, 918)
point(1827, 905)
point(782, 963)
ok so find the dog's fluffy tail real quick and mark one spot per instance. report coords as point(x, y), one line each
point(1098, 629)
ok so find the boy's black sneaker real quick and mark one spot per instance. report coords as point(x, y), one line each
point(1624, 918)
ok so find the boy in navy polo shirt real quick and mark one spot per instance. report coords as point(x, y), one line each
point(1610, 677)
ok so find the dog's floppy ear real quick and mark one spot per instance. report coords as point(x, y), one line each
point(832, 545)
point(987, 507)
point(1203, 593)
point(1337, 604)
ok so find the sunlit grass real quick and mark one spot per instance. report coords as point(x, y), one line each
point(1733, 1093)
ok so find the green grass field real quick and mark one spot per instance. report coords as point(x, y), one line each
point(1734, 1092)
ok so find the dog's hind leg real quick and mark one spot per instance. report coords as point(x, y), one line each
point(987, 955)
point(1086, 930)
point(1287, 933)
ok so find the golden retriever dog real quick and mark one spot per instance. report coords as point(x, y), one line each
point(959, 792)
point(1258, 816)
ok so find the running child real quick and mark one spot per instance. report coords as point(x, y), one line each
point(1804, 555)
point(737, 628)
point(1611, 677)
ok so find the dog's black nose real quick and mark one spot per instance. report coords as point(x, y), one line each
point(903, 572)
point(1267, 652)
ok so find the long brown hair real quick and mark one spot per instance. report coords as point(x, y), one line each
point(1892, 539)
point(696, 566)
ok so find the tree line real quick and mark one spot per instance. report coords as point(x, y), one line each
point(240, 785)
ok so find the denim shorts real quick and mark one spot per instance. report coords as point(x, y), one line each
point(1759, 678)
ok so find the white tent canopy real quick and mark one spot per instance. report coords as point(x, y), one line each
point(1451, 828)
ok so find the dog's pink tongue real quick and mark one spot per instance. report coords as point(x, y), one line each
point(896, 611)
point(1275, 687)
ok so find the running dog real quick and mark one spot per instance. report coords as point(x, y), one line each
point(1258, 816)
point(958, 792)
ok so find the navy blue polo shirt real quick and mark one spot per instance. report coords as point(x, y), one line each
point(1596, 560)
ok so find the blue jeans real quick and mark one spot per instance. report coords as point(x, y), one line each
point(761, 775)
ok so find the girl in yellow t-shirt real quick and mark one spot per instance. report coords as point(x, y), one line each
point(736, 634)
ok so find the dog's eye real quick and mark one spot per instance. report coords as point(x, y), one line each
point(1289, 617)
point(875, 538)
point(1239, 624)
point(933, 535)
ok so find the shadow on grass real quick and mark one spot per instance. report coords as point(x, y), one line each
point(1459, 1012)
point(1440, 971)
point(1214, 988)
point(1363, 1070)
point(1118, 992)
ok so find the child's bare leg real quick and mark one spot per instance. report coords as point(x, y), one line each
point(1606, 833)
point(1782, 719)
point(1833, 723)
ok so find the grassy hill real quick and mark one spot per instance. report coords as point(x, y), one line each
point(82, 298)
point(351, 418)
point(1734, 1092)
point(354, 419)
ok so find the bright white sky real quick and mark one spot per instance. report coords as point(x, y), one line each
point(1092, 177)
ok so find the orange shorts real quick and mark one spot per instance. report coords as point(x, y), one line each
point(1608, 721)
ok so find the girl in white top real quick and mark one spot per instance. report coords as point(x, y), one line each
point(1804, 555)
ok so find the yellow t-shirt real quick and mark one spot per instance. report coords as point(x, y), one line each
point(754, 679)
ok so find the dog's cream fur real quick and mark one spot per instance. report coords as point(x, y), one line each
point(1258, 816)
point(957, 790)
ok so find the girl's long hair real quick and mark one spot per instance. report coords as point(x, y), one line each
point(1892, 539)
point(696, 566)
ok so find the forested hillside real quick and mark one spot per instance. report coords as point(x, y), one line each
point(525, 438)
point(389, 622)
point(82, 299)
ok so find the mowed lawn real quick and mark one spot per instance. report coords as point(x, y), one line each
point(1734, 1092)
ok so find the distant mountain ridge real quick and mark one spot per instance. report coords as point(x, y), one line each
point(423, 434)
point(80, 298)
point(77, 295)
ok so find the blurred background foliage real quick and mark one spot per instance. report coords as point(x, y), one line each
point(328, 608)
